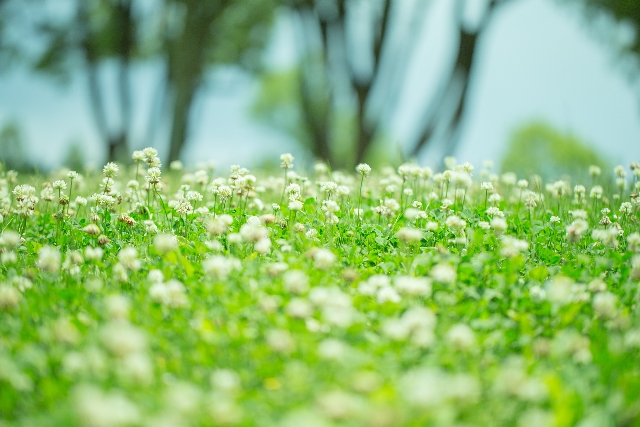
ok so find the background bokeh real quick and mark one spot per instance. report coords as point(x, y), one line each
point(240, 81)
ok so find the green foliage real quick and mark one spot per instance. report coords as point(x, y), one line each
point(279, 104)
point(75, 158)
point(624, 13)
point(12, 147)
point(241, 32)
point(137, 299)
point(540, 149)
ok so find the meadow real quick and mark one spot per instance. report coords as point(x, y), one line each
point(147, 296)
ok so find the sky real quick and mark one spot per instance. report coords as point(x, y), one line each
point(536, 62)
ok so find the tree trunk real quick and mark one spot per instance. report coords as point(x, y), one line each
point(365, 130)
point(183, 102)
point(118, 150)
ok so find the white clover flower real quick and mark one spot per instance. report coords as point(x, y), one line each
point(495, 198)
point(632, 339)
point(554, 219)
point(137, 156)
point(122, 339)
point(498, 224)
point(118, 307)
point(280, 340)
point(633, 242)
point(409, 234)
point(559, 290)
point(9, 296)
point(579, 213)
point(219, 266)
point(511, 246)
point(10, 239)
point(171, 294)
point(328, 187)
point(363, 169)
point(49, 259)
point(262, 246)
point(446, 204)
point(110, 170)
point(97, 408)
point(224, 192)
point(373, 283)
point(330, 206)
point(461, 337)
point(431, 226)
point(296, 281)
point(183, 207)
point(413, 285)
point(333, 349)
point(455, 222)
point(604, 304)
point(47, 194)
point(293, 191)
point(286, 161)
point(299, 307)
point(253, 230)
point(607, 237)
point(626, 208)
point(59, 185)
point(128, 258)
point(323, 259)
point(388, 294)
point(343, 190)
point(443, 273)
point(522, 183)
point(537, 293)
point(461, 179)
point(424, 387)
point(295, 205)
point(509, 178)
point(486, 186)
point(450, 162)
point(596, 192)
point(484, 225)
point(194, 196)
point(165, 243)
point(391, 205)
point(149, 153)
point(494, 211)
point(150, 226)
point(22, 283)
point(153, 175)
point(413, 213)
point(576, 229)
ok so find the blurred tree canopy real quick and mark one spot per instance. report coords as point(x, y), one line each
point(354, 59)
point(340, 98)
point(538, 148)
point(12, 154)
point(186, 36)
point(620, 28)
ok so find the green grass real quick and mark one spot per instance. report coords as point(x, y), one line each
point(217, 304)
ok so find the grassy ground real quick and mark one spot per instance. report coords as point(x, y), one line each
point(373, 298)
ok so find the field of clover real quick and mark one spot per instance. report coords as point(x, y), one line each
point(137, 296)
